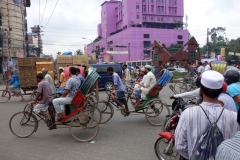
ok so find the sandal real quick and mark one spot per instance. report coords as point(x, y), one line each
point(127, 114)
point(53, 127)
point(120, 108)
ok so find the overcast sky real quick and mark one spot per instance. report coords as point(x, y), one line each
point(74, 19)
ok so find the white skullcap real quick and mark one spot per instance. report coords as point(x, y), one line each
point(148, 66)
point(212, 80)
point(61, 68)
point(142, 69)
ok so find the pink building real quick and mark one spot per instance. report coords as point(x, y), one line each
point(129, 27)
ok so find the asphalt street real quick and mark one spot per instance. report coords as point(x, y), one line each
point(122, 138)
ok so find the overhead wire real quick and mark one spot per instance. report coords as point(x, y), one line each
point(43, 12)
point(51, 15)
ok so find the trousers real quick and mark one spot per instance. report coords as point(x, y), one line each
point(59, 103)
point(40, 107)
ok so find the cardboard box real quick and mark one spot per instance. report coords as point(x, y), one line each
point(69, 59)
point(80, 60)
point(41, 65)
point(61, 59)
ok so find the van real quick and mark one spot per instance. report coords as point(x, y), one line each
point(106, 80)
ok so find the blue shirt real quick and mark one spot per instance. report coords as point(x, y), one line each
point(15, 80)
point(73, 84)
point(118, 82)
point(234, 90)
point(80, 77)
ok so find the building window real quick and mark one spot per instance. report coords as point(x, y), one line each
point(180, 42)
point(175, 11)
point(159, 19)
point(175, 20)
point(179, 36)
point(144, 1)
point(159, 1)
point(111, 42)
point(152, 19)
point(152, 1)
point(152, 9)
point(159, 10)
point(146, 36)
point(169, 11)
point(175, 2)
point(138, 16)
point(169, 2)
point(144, 18)
point(144, 9)
point(147, 54)
point(162, 10)
point(137, 6)
point(146, 44)
point(169, 20)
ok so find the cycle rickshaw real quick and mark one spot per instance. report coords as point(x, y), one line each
point(81, 122)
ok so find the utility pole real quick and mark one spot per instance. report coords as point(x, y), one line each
point(207, 43)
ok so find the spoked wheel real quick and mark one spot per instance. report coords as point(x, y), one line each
point(180, 87)
point(106, 110)
point(166, 125)
point(163, 152)
point(33, 95)
point(23, 124)
point(5, 96)
point(92, 100)
point(83, 127)
point(94, 111)
point(156, 111)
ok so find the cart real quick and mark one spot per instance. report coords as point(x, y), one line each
point(81, 122)
point(152, 108)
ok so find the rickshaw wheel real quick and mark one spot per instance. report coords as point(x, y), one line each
point(106, 110)
point(5, 96)
point(94, 111)
point(83, 127)
point(154, 109)
point(26, 124)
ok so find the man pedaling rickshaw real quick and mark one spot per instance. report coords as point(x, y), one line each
point(148, 82)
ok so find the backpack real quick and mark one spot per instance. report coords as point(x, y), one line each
point(206, 147)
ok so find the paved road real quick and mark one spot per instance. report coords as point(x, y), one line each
point(122, 138)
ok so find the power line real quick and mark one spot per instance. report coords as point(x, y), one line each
point(44, 11)
point(51, 14)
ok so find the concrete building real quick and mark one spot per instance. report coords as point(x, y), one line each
point(129, 27)
point(35, 47)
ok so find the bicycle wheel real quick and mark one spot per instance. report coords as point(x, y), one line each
point(5, 96)
point(23, 124)
point(165, 124)
point(160, 147)
point(106, 110)
point(154, 109)
point(83, 127)
point(33, 95)
point(94, 111)
point(180, 87)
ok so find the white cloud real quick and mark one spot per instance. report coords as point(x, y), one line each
point(80, 18)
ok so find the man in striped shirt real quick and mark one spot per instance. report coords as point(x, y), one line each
point(193, 122)
point(230, 149)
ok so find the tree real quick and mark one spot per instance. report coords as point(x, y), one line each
point(217, 34)
point(79, 52)
point(59, 53)
point(173, 48)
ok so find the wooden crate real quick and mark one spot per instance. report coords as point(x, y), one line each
point(61, 59)
point(41, 65)
point(43, 59)
point(28, 62)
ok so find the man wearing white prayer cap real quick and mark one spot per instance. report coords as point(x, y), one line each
point(194, 122)
point(149, 82)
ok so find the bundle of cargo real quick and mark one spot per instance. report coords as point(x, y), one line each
point(219, 66)
point(64, 60)
point(81, 60)
point(48, 65)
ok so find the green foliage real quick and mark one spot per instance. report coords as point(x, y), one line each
point(173, 48)
point(177, 75)
point(217, 34)
point(59, 53)
point(79, 52)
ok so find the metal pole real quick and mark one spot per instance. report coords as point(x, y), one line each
point(128, 51)
point(207, 43)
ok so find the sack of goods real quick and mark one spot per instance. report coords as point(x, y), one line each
point(167, 76)
point(219, 66)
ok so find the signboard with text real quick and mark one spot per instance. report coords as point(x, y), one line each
point(117, 52)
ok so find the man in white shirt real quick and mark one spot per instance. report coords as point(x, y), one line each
point(149, 82)
point(48, 78)
point(193, 121)
point(207, 66)
point(200, 69)
point(127, 74)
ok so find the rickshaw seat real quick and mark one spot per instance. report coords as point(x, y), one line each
point(149, 98)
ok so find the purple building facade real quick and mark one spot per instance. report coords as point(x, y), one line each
point(129, 27)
